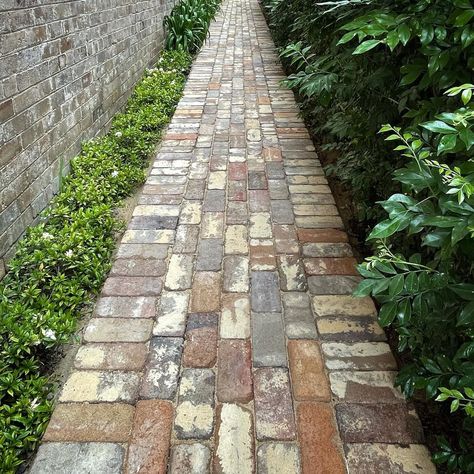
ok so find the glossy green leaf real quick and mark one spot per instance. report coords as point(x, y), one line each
point(366, 46)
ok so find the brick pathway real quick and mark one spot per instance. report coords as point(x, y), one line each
point(225, 339)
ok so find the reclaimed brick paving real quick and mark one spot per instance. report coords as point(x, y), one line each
point(225, 339)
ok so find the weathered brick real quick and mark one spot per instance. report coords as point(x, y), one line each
point(82, 422)
point(125, 307)
point(148, 237)
point(262, 254)
point(180, 272)
point(118, 330)
point(351, 329)
point(236, 213)
point(138, 267)
point(190, 459)
point(214, 201)
point(236, 274)
point(186, 239)
point(321, 235)
point(234, 440)
point(292, 277)
point(153, 223)
point(195, 413)
point(235, 316)
point(190, 213)
point(332, 284)
point(316, 427)
point(325, 249)
point(309, 381)
point(268, 340)
point(257, 180)
point(342, 305)
point(265, 294)
point(210, 253)
point(259, 200)
point(206, 292)
point(200, 347)
point(260, 226)
point(234, 374)
point(361, 387)
point(97, 386)
point(273, 407)
point(62, 458)
point(298, 318)
point(358, 356)
point(162, 369)
point(212, 225)
point(285, 239)
point(142, 251)
point(171, 313)
point(236, 240)
point(282, 212)
point(132, 286)
point(330, 266)
point(237, 171)
point(237, 191)
point(195, 189)
point(378, 423)
point(151, 436)
point(278, 457)
point(118, 356)
point(393, 458)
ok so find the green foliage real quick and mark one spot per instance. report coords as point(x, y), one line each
point(428, 297)
point(356, 65)
point(188, 24)
point(64, 260)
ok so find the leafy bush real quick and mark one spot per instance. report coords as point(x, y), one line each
point(188, 24)
point(64, 260)
point(359, 64)
point(428, 297)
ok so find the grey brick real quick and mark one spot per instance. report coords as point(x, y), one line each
point(265, 292)
point(64, 458)
point(268, 340)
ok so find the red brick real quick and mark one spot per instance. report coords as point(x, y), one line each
point(319, 442)
point(234, 376)
point(181, 136)
point(84, 422)
point(237, 171)
point(150, 440)
point(330, 266)
point(201, 340)
point(309, 381)
point(206, 292)
point(321, 235)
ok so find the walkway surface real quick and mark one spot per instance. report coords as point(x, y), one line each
point(225, 339)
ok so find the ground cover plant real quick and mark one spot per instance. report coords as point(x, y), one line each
point(358, 66)
point(61, 262)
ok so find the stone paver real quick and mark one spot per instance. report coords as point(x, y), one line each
point(225, 338)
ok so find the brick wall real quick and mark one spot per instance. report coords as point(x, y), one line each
point(66, 67)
